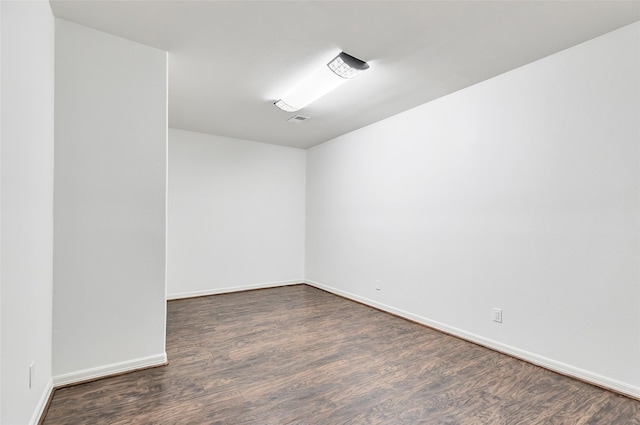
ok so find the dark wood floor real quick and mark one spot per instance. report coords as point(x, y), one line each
point(298, 355)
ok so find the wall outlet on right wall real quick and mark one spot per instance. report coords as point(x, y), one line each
point(497, 315)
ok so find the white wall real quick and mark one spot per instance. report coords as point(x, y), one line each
point(27, 84)
point(0, 212)
point(521, 192)
point(236, 214)
point(109, 207)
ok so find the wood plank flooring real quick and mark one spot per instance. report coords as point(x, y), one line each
point(299, 355)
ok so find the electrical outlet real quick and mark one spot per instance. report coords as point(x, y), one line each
point(32, 376)
point(378, 285)
point(497, 315)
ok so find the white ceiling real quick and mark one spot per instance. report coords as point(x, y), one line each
point(228, 61)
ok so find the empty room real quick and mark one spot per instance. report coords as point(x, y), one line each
point(319, 212)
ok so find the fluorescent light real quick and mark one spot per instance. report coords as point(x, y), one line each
point(337, 72)
point(280, 104)
point(346, 66)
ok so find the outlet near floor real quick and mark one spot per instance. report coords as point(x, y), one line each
point(32, 376)
point(497, 315)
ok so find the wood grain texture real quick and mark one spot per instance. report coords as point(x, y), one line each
point(299, 355)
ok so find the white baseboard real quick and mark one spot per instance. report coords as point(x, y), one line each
point(42, 404)
point(108, 370)
point(547, 363)
point(215, 291)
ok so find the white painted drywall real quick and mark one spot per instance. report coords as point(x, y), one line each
point(27, 50)
point(109, 309)
point(236, 214)
point(1, 212)
point(521, 192)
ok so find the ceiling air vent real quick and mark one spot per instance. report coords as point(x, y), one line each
point(298, 118)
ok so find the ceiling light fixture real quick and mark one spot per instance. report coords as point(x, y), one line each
point(337, 72)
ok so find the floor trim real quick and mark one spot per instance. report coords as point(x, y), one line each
point(43, 404)
point(109, 370)
point(550, 364)
point(228, 289)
